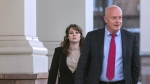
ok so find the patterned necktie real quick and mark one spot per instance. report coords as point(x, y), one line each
point(111, 58)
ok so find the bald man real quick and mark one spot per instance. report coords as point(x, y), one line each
point(110, 55)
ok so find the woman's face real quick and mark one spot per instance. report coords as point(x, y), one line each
point(74, 36)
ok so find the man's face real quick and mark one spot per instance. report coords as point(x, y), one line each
point(113, 19)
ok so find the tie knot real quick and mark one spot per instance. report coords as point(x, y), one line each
point(113, 35)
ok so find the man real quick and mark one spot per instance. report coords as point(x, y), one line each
point(110, 55)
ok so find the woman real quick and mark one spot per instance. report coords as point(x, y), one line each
point(68, 55)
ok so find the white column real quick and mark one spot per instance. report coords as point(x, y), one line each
point(145, 27)
point(53, 16)
point(20, 49)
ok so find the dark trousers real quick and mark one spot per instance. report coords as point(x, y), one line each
point(117, 82)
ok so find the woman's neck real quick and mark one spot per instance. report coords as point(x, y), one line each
point(74, 46)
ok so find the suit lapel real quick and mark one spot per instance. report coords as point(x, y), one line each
point(100, 38)
point(100, 47)
point(124, 44)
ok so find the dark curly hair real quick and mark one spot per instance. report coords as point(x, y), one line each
point(65, 44)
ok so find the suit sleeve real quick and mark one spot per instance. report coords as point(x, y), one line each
point(54, 67)
point(82, 67)
point(135, 66)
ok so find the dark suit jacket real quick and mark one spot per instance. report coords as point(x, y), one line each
point(66, 76)
point(91, 59)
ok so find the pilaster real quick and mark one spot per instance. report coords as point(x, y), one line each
point(20, 49)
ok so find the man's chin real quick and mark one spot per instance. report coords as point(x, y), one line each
point(117, 28)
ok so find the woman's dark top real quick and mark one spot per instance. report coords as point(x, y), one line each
point(66, 76)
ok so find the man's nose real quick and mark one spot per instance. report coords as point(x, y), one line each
point(118, 20)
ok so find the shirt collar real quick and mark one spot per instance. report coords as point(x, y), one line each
point(107, 33)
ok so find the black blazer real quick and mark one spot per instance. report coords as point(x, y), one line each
point(66, 76)
point(91, 59)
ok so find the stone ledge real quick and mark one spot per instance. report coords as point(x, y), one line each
point(145, 61)
point(145, 79)
point(145, 69)
point(25, 82)
point(7, 82)
point(42, 75)
point(24, 76)
point(37, 81)
point(41, 81)
point(1, 76)
point(39, 78)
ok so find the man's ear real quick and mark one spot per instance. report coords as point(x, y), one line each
point(105, 19)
